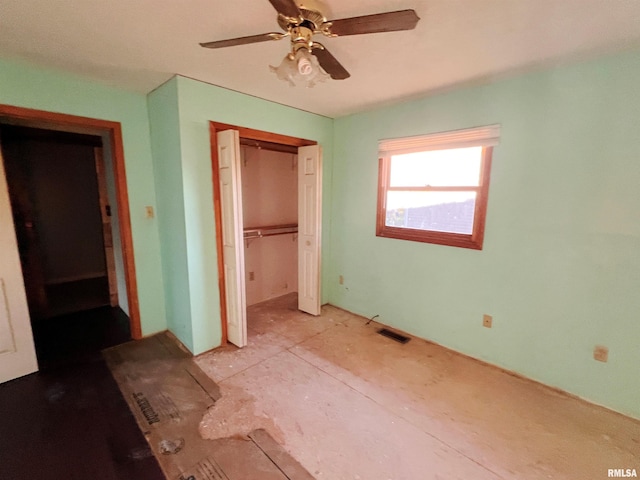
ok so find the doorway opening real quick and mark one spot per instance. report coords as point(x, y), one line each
point(65, 178)
point(61, 213)
point(269, 183)
point(267, 207)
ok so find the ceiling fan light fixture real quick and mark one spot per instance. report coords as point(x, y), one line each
point(300, 68)
point(309, 61)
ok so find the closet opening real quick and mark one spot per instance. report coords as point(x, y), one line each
point(267, 195)
point(269, 179)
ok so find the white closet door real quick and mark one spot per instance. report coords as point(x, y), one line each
point(232, 235)
point(17, 352)
point(309, 227)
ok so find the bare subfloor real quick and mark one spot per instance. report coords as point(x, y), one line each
point(348, 403)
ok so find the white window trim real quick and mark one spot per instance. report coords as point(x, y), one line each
point(487, 136)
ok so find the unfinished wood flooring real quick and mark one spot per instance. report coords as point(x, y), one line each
point(348, 403)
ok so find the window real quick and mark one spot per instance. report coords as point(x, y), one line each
point(434, 188)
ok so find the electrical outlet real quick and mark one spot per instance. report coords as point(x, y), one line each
point(601, 353)
point(487, 321)
point(252, 276)
point(341, 280)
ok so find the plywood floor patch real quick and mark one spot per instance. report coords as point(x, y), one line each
point(169, 395)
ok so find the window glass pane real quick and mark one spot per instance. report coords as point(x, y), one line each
point(438, 168)
point(440, 211)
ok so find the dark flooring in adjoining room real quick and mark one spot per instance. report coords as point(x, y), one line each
point(70, 420)
point(79, 337)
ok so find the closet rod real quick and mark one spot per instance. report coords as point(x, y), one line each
point(267, 231)
point(264, 145)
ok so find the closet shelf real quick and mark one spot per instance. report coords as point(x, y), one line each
point(267, 231)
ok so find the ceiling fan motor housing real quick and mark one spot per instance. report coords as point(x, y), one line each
point(311, 19)
point(301, 37)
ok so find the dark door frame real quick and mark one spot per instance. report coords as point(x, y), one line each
point(113, 132)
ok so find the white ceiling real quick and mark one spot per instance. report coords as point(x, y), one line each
point(139, 44)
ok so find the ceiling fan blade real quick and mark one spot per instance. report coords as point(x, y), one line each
point(330, 64)
point(231, 42)
point(379, 22)
point(288, 8)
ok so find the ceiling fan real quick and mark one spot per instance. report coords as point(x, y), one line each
point(302, 20)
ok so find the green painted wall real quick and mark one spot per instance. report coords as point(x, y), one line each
point(167, 167)
point(198, 104)
point(560, 269)
point(26, 86)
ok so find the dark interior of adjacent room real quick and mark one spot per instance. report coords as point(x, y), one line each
point(57, 186)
